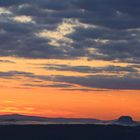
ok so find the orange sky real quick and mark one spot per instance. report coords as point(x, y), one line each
point(57, 103)
point(54, 102)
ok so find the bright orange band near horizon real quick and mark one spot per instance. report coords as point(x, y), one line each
point(53, 102)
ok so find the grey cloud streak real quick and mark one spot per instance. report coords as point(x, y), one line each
point(103, 82)
point(126, 82)
point(89, 69)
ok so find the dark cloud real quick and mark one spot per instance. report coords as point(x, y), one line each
point(115, 21)
point(103, 82)
point(14, 74)
point(84, 89)
point(121, 50)
point(88, 69)
point(58, 85)
point(126, 82)
point(110, 13)
point(20, 74)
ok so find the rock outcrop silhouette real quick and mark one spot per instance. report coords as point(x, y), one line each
point(126, 120)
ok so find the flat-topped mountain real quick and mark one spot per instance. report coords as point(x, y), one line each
point(126, 120)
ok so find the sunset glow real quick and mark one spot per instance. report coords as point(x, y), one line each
point(56, 63)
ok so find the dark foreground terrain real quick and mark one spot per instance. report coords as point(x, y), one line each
point(69, 132)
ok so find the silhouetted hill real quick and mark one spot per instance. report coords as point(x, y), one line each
point(24, 119)
point(21, 119)
point(126, 120)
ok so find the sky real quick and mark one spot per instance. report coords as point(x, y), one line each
point(70, 58)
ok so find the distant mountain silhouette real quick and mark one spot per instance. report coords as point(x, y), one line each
point(18, 117)
point(24, 119)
